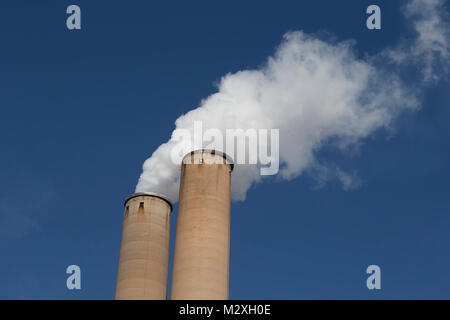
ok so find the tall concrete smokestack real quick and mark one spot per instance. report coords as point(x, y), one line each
point(144, 250)
point(202, 242)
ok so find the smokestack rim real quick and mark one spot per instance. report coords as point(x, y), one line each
point(212, 151)
point(148, 194)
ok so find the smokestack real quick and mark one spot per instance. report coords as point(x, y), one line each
point(144, 250)
point(202, 243)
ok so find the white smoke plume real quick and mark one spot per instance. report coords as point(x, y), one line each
point(316, 93)
point(430, 47)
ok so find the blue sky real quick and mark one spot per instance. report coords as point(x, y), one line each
point(81, 111)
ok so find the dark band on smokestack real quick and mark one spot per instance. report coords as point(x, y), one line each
point(144, 249)
point(227, 159)
point(150, 194)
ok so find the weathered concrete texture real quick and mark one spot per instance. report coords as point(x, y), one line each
point(144, 251)
point(202, 243)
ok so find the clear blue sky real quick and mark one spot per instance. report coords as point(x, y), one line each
point(82, 110)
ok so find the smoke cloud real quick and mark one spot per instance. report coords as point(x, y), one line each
point(429, 49)
point(317, 93)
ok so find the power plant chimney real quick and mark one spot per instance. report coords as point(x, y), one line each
point(202, 242)
point(144, 250)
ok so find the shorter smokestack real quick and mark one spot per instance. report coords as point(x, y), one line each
point(144, 250)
